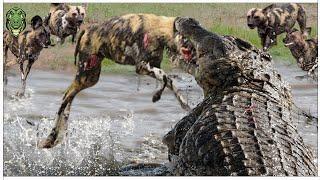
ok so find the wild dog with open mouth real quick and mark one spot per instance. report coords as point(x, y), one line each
point(26, 47)
point(304, 51)
point(276, 19)
point(65, 20)
point(132, 39)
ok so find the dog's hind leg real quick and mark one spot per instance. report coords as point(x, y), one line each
point(73, 40)
point(87, 75)
point(145, 69)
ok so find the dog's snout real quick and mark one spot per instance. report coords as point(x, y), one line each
point(30, 56)
point(250, 25)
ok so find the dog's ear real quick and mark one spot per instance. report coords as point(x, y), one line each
point(85, 6)
point(307, 32)
point(46, 20)
point(174, 24)
point(36, 22)
point(267, 9)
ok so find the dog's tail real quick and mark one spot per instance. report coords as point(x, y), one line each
point(76, 51)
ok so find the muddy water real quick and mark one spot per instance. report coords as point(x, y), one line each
point(111, 124)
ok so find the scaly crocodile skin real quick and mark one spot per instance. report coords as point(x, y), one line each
point(247, 123)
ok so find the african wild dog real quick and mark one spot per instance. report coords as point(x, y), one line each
point(132, 39)
point(304, 51)
point(276, 19)
point(27, 46)
point(65, 20)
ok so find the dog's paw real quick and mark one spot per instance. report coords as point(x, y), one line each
point(46, 143)
point(20, 94)
point(156, 97)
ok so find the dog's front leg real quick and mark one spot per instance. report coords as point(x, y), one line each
point(267, 42)
point(26, 73)
point(23, 81)
point(273, 37)
point(263, 37)
point(144, 68)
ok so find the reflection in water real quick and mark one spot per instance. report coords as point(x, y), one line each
point(110, 125)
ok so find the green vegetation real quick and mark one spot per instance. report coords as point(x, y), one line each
point(221, 18)
point(279, 52)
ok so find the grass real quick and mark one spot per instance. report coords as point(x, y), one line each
point(279, 52)
point(221, 18)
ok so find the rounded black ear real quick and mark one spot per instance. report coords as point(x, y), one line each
point(46, 19)
point(36, 22)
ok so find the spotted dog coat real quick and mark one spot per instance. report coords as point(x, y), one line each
point(65, 20)
point(276, 19)
point(304, 51)
point(132, 39)
point(26, 47)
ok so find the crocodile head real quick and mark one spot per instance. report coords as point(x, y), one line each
point(235, 64)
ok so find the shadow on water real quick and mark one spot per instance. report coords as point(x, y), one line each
point(111, 124)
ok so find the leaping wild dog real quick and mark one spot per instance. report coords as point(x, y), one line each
point(276, 19)
point(304, 51)
point(26, 47)
point(65, 20)
point(132, 39)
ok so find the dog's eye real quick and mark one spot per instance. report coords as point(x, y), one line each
point(256, 17)
point(74, 14)
point(82, 14)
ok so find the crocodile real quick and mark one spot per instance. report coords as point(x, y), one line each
point(246, 124)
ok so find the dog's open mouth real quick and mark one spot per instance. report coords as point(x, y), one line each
point(186, 53)
point(187, 50)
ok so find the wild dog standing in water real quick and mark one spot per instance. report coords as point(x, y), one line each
point(276, 19)
point(26, 47)
point(65, 20)
point(133, 39)
point(304, 51)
